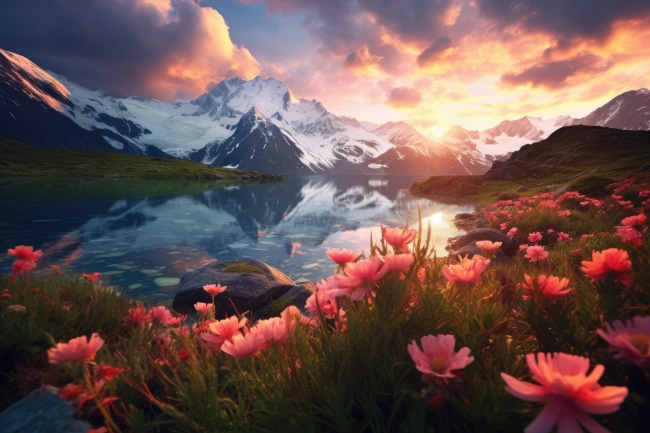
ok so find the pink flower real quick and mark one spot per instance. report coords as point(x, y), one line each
point(569, 392)
point(214, 289)
point(550, 231)
point(162, 315)
point(535, 237)
point(644, 193)
point(584, 203)
point(488, 246)
point(564, 213)
point(137, 316)
point(468, 271)
point(546, 286)
point(274, 330)
point(630, 236)
point(437, 357)
point(359, 276)
point(341, 257)
point(563, 237)
point(80, 349)
point(503, 226)
point(92, 277)
point(576, 251)
point(202, 307)
point(606, 261)
point(227, 328)
point(398, 262)
point(630, 339)
point(27, 253)
point(398, 238)
point(214, 341)
point(244, 345)
point(20, 267)
point(512, 232)
point(291, 314)
point(634, 221)
point(536, 253)
point(617, 197)
point(326, 304)
point(523, 246)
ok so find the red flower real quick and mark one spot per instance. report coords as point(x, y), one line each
point(35, 290)
point(22, 252)
point(92, 277)
point(183, 356)
point(607, 261)
point(71, 391)
point(137, 316)
point(107, 372)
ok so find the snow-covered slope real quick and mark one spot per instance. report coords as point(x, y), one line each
point(629, 110)
point(257, 124)
point(509, 135)
point(260, 125)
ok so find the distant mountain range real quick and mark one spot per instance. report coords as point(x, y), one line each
point(260, 125)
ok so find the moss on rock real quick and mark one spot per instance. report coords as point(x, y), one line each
point(242, 268)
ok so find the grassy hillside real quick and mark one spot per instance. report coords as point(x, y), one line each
point(22, 160)
point(583, 158)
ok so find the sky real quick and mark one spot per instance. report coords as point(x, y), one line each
point(431, 63)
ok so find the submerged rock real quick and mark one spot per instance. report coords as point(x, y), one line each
point(42, 411)
point(246, 291)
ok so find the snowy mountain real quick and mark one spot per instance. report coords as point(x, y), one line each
point(260, 125)
point(629, 110)
point(257, 124)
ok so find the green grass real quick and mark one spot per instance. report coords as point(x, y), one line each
point(242, 268)
point(22, 160)
point(579, 158)
point(355, 373)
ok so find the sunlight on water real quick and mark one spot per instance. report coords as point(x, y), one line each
point(145, 238)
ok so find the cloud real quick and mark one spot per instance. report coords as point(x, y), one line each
point(362, 62)
point(160, 49)
point(403, 97)
point(555, 74)
point(433, 51)
point(576, 19)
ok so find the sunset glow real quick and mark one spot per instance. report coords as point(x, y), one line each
point(432, 64)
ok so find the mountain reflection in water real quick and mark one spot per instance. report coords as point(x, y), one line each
point(145, 240)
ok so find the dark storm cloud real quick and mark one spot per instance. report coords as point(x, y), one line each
point(554, 74)
point(432, 52)
point(153, 48)
point(566, 19)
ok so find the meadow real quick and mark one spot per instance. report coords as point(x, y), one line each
point(557, 335)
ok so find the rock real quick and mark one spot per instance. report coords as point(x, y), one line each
point(296, 296)
point(485, 234)
point(507, 170)
point(245, 176)
point(521, 189)
point(470, 250)
point(114, 176)
point(480, 223)
point(42, 411)
point(248, 292)
point(464, 216)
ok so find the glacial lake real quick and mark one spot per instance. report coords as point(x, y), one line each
point(145, 235)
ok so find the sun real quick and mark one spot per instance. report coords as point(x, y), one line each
point(436, 131)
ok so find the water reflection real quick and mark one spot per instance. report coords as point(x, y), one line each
point(147, 241)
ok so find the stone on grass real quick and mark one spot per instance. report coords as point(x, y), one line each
point(246, 291)
point(485, 234)
point(296, 296)
point(42, 411)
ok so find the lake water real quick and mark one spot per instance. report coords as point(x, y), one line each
point(144, 236)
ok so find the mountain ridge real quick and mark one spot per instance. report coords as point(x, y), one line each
point(209, 128)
